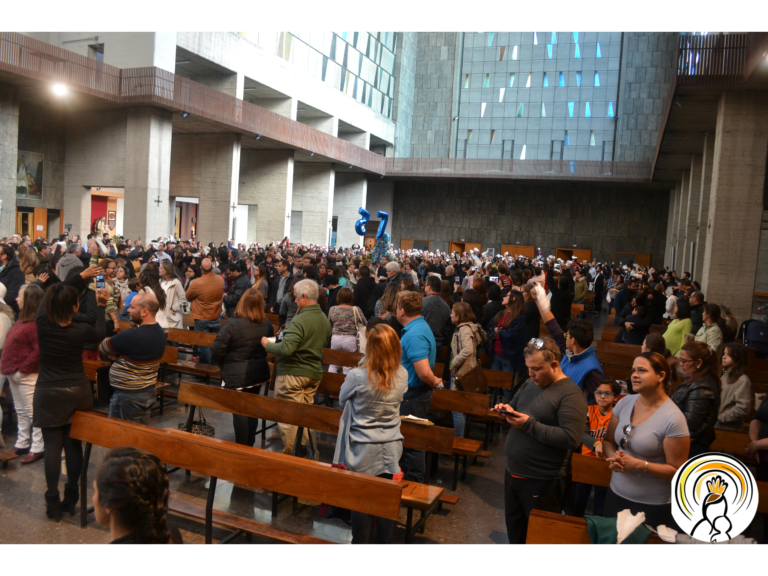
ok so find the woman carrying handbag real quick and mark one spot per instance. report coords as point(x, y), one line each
point(466, 373)
point(344, 319)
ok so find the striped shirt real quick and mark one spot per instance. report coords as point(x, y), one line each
point(138, 352)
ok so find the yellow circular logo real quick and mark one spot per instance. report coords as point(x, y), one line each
point(714, 497)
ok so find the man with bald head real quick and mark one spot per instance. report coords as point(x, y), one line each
point(206, 294)
point(136, 356)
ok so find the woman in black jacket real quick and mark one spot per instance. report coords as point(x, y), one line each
point(62, 387)
point(698, 397)
point(86, 313)
point(243, 360)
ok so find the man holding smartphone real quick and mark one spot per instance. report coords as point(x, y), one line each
point(548, 418)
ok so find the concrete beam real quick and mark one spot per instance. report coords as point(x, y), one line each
point(736, 201)
point(9, 144)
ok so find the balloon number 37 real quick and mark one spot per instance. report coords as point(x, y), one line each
point(360, 224)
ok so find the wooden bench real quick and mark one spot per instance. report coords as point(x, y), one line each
point(432, 439)
point(341, 358)
point(6, 457)
point(730, 442)
point(550, 528)
point(595, 471)
point(274, 319)
point(192, 339)
point(270, 471)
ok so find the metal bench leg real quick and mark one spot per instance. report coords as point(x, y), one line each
point(455, 479)
point(464, 468)
point(408, 527)
point(190, 419)
point(84, 486)
point(275, 497)
point(209, 510)
point(297, 442)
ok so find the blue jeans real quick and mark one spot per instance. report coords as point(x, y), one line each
point(503, 365)
point(132, 406)
point(581, 496)
point(413, 463)
point(459, 418)
point(212, 327)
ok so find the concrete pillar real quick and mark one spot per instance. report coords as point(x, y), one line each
point(707, 160)
point(362, 139)
point(9, 144)
point(736, 201)
point(692, 213)
point(313, 197)
point(206, 166)
point(147, 172)
point(350, 194)
point(266, 185)
point(670, 229)
point(171, 214)
point(684, 193)
point(674, 256)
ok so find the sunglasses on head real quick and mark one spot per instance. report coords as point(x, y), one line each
point(625, 441)
point(537, 343)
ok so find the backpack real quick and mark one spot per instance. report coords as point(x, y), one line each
point(755, 335)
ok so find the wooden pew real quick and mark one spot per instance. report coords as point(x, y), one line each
point(730, 442)
point(271, 471)
point(595, 471)
point(341, 358)
point(274, 319)
point(618, 348)
point(193, 339)
point(549, 528)
point(433, 439)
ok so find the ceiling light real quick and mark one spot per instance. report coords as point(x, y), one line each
point(258, 136)
point(60, 89)
point(185, 114)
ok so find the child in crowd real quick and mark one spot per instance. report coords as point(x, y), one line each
point(598, 418)
point(133, 286)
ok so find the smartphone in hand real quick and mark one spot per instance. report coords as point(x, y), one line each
point(99, 281)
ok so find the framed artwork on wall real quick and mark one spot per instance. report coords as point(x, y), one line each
point(29, 175)
point(111, 219)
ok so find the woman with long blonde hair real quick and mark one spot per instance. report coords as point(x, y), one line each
point(369, 439)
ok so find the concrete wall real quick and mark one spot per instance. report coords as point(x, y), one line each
point(648, 65)
point(43, 130)
point(350, 193)
point(95, 155)
point(313, 198)
point(405, 79)
point(436, 61)
point(603, 219)
point(495, 72)
point(266, 185)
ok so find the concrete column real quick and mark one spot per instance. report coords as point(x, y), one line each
point(171, 214)
point(147, 172)
point(675, 226)
point(670, 229)
point(736, 201)
point(350, 194)
point(206, 166)
point(9, 145)
point(313, 196)
point(707, 160)
point(692, 213)
point(266, 185)
point(682, 212)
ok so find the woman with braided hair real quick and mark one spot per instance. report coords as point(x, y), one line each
point(131, 498)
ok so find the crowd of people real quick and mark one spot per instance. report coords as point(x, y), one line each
point(62, 303)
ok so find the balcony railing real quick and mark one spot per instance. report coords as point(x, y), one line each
point(718, 58)
point(520, 169)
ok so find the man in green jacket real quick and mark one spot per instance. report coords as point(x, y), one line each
point(300, 357)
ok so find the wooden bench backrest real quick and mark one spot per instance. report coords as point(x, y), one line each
point(416, 436)
point(617, 348)
point(614, 359)
point(91, 366)
point(331, 382)
point(549, 528)
point(595, 471)
point(499, 379)
point(617, 372)
point(263, 469)
point(341, 358)
point(458, 401)
point(191, 337)
point(757, 375)
point(730, 442)
point(274, 319)
point(170, 356)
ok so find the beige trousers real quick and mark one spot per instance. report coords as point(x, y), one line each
point(296, 389)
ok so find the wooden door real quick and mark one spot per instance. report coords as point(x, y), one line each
point(61, 222)
point(643, 259)
point(564, 254)
point(406, 244)
point(457, 247)
point(40, 224)
point(582, 255)
point(472, 245)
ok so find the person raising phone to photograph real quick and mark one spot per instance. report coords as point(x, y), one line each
point(548, 421)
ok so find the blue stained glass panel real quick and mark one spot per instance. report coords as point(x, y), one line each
point(561, 82)
point(570, 109)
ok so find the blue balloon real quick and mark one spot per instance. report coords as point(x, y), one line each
point(383, 219)
point(360, 224)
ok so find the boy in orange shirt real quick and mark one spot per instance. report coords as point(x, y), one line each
point(598, 418)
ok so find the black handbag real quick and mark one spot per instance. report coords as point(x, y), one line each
point(199, 427)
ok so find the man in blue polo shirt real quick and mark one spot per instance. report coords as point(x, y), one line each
point(419, 353)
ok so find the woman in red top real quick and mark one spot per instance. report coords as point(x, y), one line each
point(20, 363)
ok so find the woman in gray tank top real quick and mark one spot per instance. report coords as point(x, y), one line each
point(647, 441)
